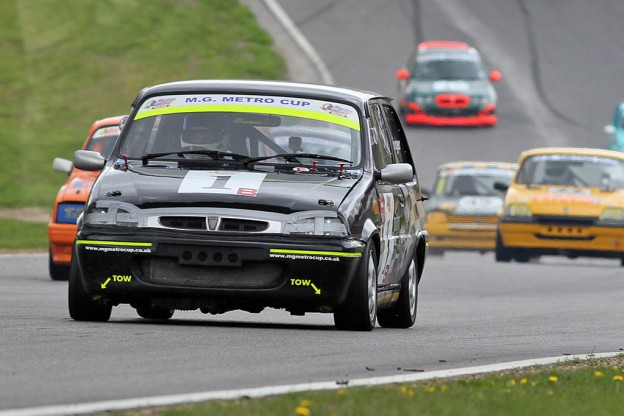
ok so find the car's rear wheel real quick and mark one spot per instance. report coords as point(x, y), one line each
point(501, 253)
point(57, 271)
point(403, 313)
point(359, 311)
point(149, 312)
point(82, 307)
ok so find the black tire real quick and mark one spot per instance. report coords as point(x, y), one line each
point(622, 262)
point(82, 307)
point(359, 311)
point(148, 312)
point(57, 271)
point(403, 313)
point(502, 253)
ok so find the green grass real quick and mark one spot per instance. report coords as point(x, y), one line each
point(577, 388)
point(22, 235)
point(66, 63)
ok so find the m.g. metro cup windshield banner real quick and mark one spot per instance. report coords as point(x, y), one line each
point(336, 113)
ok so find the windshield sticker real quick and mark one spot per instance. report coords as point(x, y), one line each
point(221, 182)
point(340, 114)
point(106, 131)
point(577, 158)
point(478, 172)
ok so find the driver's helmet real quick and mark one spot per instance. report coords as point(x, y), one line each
point(556, 172)
point(205, 131)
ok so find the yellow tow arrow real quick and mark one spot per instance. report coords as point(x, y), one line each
point(316, 290)
point(103, 285)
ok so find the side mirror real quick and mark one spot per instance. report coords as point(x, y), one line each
point(397, 173)
point(501, 186)
point(62, 165)
point(89, 160)
point(496, 76)
point(123, 122)
point(609, 129)
point(402, 74)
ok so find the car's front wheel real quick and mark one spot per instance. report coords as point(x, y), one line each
point(57, 271)
point(403, 313)
point(502, 253)
point(82, 307)
point(359, 311)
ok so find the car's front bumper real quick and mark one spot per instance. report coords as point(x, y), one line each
point(431, 120)
point(597, 240)
point(186, 271)
point(61, 238)
point(478, 236)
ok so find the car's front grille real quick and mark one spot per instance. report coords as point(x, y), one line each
point(233, 224)
point(169, 272)
point(452, 112)
point(472, 219)
point(186, 223)
point(564, 220)
point(213, 224)
point(452, 100)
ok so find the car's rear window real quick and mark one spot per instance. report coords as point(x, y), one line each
point(251, 125)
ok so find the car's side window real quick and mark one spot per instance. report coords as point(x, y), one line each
point(399, 141)
point(381, 145)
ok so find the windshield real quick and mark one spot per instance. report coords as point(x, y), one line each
point(253, 126)
point(572, 170)
point(471, 182)
point(103, 140)
point(449, 69)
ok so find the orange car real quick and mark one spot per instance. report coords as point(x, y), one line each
point(73, 194)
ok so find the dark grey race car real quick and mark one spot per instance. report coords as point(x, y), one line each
point(206, 204)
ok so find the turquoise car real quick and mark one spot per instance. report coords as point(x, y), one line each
point(615, 130)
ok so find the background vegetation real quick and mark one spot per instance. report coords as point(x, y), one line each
point(66, 63)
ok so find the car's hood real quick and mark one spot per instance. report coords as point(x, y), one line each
point(154, 187)
point(78, 186)
point(572, 201)
point(467, 87)
point(467, 205)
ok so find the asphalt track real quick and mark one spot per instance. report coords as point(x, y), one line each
point(562, 78)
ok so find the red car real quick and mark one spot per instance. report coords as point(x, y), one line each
point(446, 84)
point(72, 196)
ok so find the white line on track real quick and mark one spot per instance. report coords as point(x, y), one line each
point(171, 400)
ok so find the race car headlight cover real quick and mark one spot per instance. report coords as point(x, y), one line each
point(612, 214)
point(111, 214)
point(436, 217)
point(315, 223)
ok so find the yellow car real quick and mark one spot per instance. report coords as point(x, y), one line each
point(464, 206)
point(564, 201)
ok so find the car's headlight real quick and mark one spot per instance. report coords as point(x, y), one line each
point(435, 217)
point(423, 99)
point(109, 216)
point(68, 212)
point(315, 225)
point(612, 214)
point(518, 210)
point(481, 100)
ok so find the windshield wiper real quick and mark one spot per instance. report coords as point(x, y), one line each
point(214, 154)
point(294, 156)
